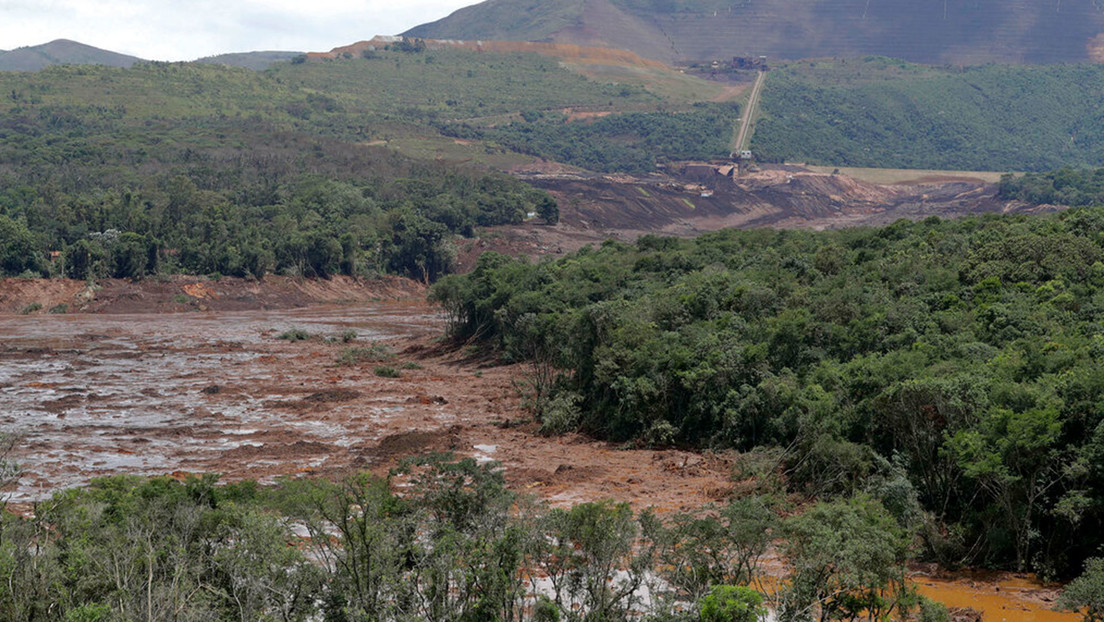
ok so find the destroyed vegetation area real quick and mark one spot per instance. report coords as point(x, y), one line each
point(654, 379)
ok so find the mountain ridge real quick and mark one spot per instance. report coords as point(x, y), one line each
point(62, 52)
point(68, 52)
point(978, 32)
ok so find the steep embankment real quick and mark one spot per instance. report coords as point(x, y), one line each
point(191, 293)
point(983, 31)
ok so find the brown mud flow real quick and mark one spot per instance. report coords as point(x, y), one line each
point(169, 394)
point(156, 394)
point(94, 395)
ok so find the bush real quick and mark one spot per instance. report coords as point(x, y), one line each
point(1086, 593)
point(386, 371)
point(562, 413)
point(732, 603)
point(375, 353)
point(18, 250)
point(295, 334)
point(932, 611)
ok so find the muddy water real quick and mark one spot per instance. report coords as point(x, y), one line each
point(999, 599)
point(93, 395)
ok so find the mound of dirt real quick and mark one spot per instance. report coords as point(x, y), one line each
point(332, 395)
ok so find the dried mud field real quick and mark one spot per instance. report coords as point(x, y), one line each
point(176, 393)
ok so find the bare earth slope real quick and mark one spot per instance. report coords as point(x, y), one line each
point(697, 200)
point(980, 31)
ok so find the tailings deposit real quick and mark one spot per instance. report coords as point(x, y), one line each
point(155, 394)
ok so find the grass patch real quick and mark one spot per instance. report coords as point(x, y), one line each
point(411, 365)
point(295, 334)
point(375, 353)
point(59, 309)
point(31, 308)
point(386, 371)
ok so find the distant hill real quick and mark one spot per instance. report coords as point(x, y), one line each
point(933, 31)
point(62, 52)
point(257, 61)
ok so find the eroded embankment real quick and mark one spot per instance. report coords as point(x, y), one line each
point(183, 293)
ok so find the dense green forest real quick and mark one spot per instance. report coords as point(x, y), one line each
point(1066, 186)
point(629, 142)
point(884, 113)
point(208, 169)
point(949, 368)
point(455, 546)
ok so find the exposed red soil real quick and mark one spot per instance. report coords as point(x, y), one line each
point(220, 392)
point(189, 293)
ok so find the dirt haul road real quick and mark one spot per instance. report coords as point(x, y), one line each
point(749, 111)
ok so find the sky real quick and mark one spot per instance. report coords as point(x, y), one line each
point(174, 30)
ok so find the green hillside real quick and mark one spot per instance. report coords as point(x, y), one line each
point(883, 113)
point(970, 33)
point(514, 20)
point(203, 168)
point(258, 61)
point(450, 85)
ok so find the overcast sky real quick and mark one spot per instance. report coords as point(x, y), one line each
point(190, 29)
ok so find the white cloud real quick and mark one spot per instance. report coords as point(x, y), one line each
point(189, 29)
